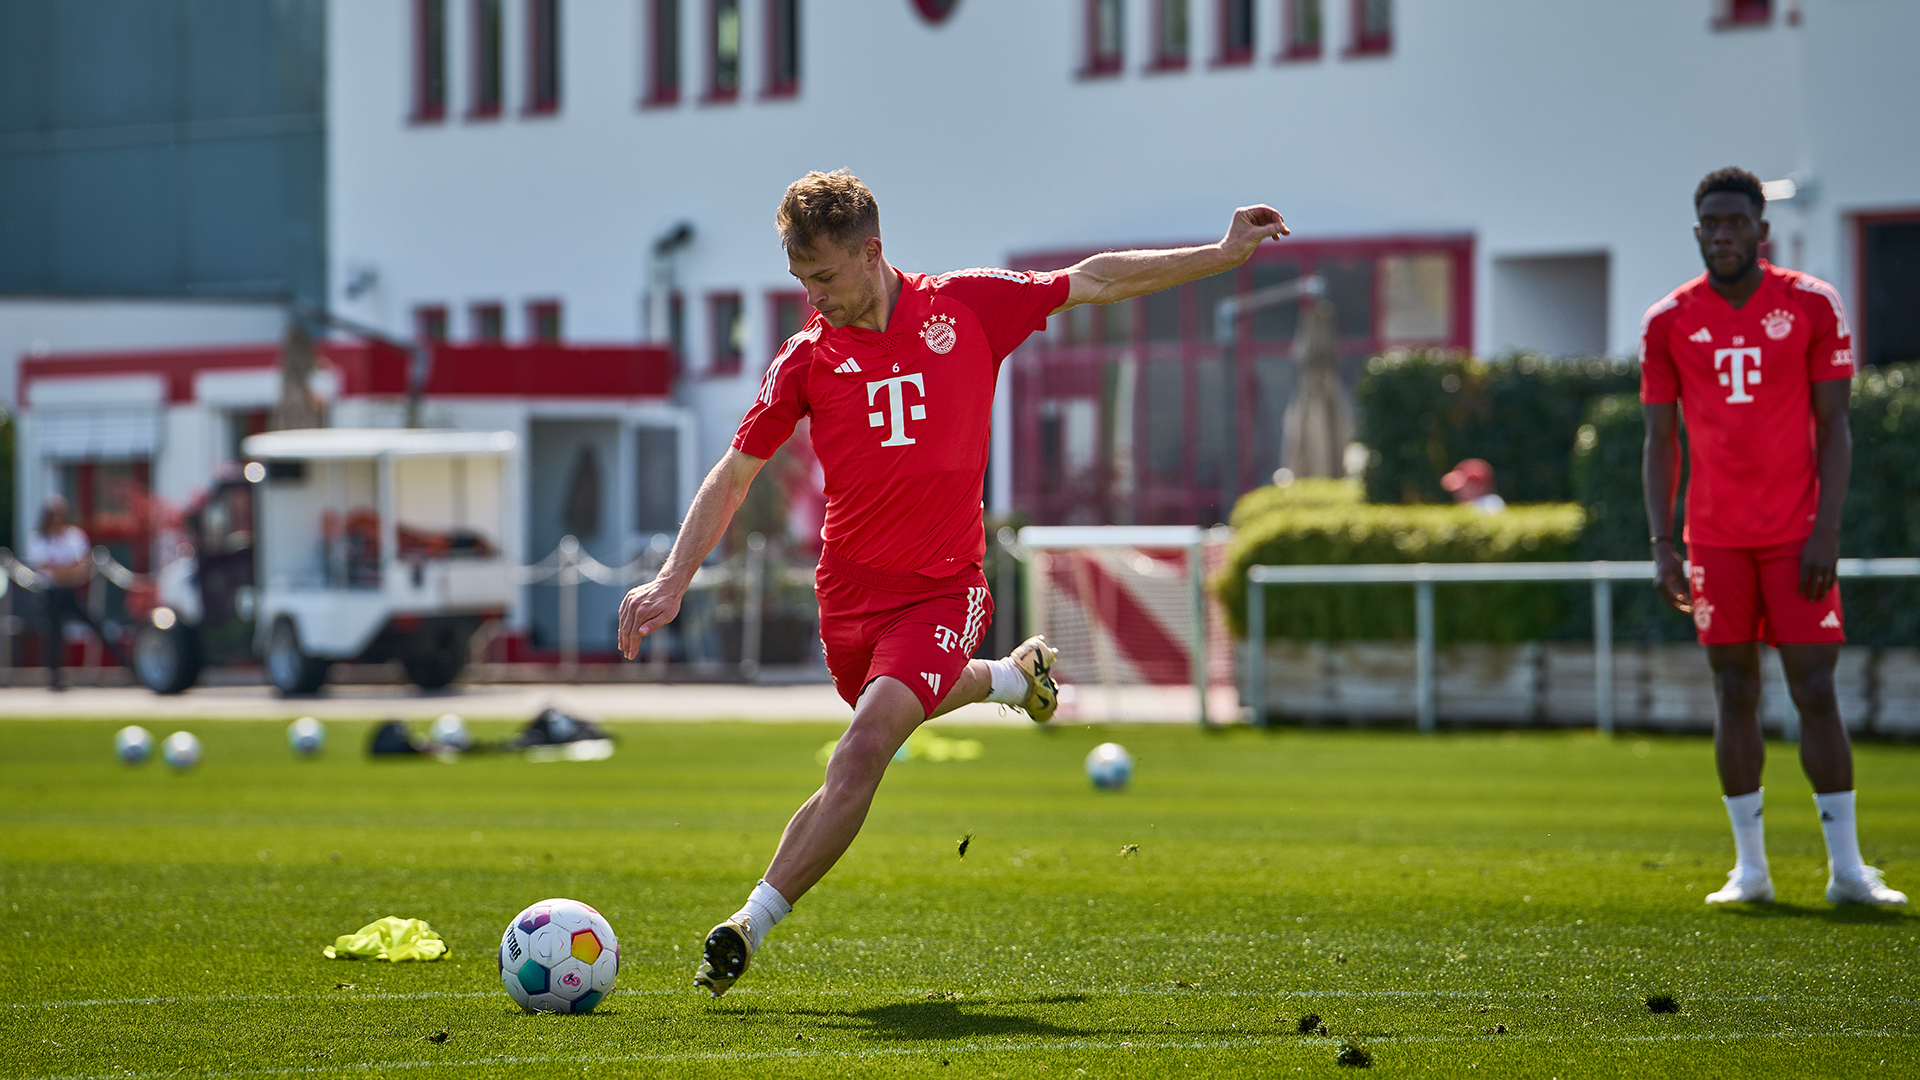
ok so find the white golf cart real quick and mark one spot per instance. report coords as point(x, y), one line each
point(340, 544)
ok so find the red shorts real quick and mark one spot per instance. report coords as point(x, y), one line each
point(1753, 594)
point(917, 629)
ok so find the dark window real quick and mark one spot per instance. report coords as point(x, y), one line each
point(1166, 397)
point(656, 504)
point(1743, 13)
point(1372, 27)
point(723, 50)
point(783, 48)
point(1170, 34)
point(1106, 37)
point(663, 52)
point(1350, 288)
point(1208, 293)
point(725, 349)
point(790, 312)
point(1890, 278)
point(1277, 322)
point(1118, 322)
point(486, 58)
point(1236, 31)
point(1302, 31)
point(487, 322)
point(1163, 316)
point(677, 329)
point(429, 59)
point(543, 320)
point(430, 322)
point(543, 56)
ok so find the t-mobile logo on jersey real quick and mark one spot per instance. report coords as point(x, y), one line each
point(1742, 369)
point(897, 407)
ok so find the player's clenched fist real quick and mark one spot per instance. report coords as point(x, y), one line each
point(1251, 225)
point(643, 610)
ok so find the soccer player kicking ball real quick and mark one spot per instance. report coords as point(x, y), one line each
point(1760, 357)
point(897, 371)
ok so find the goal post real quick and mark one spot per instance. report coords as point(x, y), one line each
point(1140, 638)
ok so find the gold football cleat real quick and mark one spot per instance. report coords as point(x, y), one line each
point(1035, 659)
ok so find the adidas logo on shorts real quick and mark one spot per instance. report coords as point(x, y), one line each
point(1831, 622)
point(933, 681)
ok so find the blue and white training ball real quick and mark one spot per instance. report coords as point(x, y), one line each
point(306, 736)
point(181, 751)
point(558, 956)
point(451, 732)
point(132, 744)
point(1109, 765)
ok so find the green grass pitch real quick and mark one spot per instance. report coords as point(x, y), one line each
point(1460, 905)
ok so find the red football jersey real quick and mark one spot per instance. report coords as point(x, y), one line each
point(1744, 380)
point(901, 418)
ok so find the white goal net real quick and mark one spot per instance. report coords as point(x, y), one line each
point(1139, 634)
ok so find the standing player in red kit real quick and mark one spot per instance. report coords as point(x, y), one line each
point(897, 372)
point(1760, 359)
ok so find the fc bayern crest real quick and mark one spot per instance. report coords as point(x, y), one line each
point(1778, 323)
point(939, 334)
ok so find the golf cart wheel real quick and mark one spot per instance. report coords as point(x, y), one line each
point(431, 671)
point(166, 661)
point(291, 671)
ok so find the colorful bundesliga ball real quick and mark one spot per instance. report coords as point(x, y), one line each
point(132, 744)
point(558, 956)
point(181, 751)
point(1109, 766)
point(306, 736)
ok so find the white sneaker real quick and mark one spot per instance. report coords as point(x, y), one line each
point(1744, 888)
point(1863, 886)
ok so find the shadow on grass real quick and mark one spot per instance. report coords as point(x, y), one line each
point(947, 1019)
point(1846, 914)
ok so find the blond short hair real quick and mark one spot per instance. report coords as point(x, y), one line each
point(833, 206)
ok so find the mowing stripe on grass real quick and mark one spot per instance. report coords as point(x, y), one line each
point(1245, 1042)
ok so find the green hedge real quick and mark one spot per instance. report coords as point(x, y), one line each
point(1420, 413)
point(1325, 523)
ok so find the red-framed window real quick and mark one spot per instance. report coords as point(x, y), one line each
point(543, 56)
point(112, 502)
point(1301, 29)
point(429, 60)
point(663, 53)
point(1172, 31)
point(723, 50)
point(485, 42)
point(726, 333)
point(430, 322)
point(543, 320)
point(1131, 413)
point(1234, 28)
point(1729, 14)
point(783, 48)
point(487, 322)
point(1106, 37)
point(1372, 28)
point(790, 312)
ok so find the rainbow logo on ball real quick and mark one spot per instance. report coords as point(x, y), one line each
point(558, 956)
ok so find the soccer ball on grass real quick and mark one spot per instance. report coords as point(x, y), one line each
point(306, 736)
point(1109, 765)
point(181, 751)
point(132, 744)
point(558, 956)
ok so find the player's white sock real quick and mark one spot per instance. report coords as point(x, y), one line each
point(1749, 832)
point(1836, 820)
point(765, 907)
point(1009, 682)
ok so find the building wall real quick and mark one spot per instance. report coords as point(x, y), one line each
point(1543, 130)
point(162, 147)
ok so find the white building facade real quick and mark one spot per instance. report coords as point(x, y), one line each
point(505, 162)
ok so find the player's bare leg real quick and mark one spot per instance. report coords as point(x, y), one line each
point(1827, 756)
point(1741, 753)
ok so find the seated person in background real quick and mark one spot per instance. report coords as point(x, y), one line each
point(1471, 482)
point(62, 559)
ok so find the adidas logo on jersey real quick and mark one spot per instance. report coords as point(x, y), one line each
point(848, 368)
point(1831, 622)
point(933, 681)
point(1702, 335)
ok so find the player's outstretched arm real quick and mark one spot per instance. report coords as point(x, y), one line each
point(1660, 475)
point(648, 607)
point(1121, 275)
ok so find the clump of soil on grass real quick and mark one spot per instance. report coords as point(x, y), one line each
point(1354, 1055)
point(1310, 1025)
point(438, 1037)
point(1662, 1003)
